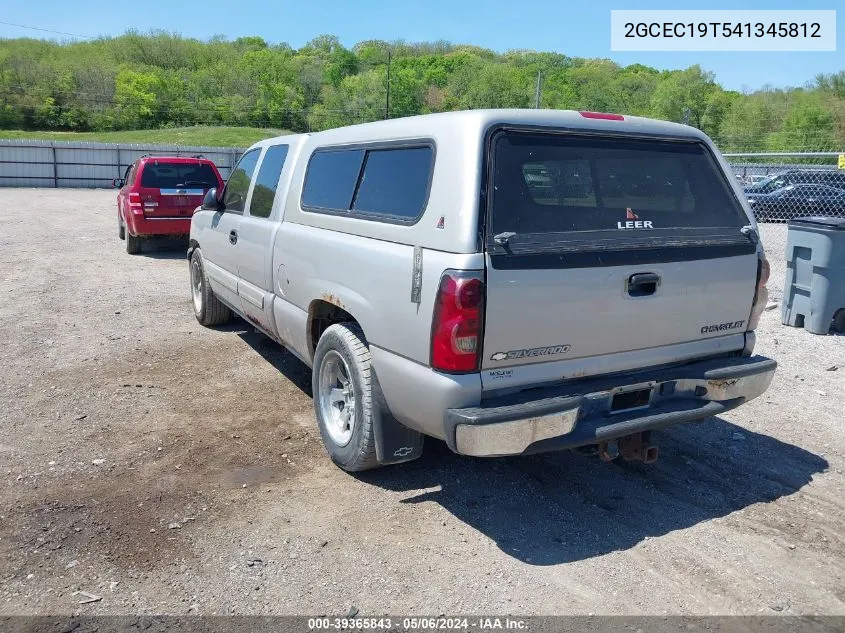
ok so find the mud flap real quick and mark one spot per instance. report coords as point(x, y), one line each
point(395, 442)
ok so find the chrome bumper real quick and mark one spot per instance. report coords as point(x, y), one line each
point(512, 438)
point(578, 414)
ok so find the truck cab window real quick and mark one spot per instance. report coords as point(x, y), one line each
point(267, 181)
point(237, 187)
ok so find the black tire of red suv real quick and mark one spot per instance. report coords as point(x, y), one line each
point(133, 244)
point(121, 230)
point(839, 321)
point(211, 310)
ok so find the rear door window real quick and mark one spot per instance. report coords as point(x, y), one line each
point(178, 175)
point(394, 182)
point(331, 179)
point(267, 181)
point(387, 184)
point(237, 187)
point(575, 187)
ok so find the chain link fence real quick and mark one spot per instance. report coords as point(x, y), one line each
point(782, 186)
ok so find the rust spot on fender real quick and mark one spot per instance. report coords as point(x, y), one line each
point(333, 299)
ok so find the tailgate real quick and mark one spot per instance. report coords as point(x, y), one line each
point(176, 201)
point(174, 190)
point(623, 244)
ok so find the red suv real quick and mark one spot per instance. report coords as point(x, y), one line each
point(158, 195)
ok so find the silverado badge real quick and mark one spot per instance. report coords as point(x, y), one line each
point(514, 354)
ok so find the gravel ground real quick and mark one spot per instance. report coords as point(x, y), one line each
point(168, 468)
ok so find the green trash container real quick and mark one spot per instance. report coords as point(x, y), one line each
point(814, 289)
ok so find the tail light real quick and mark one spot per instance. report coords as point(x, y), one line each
point(135, 202)
point(150, 201)
point(458, 322)
point(761, 294)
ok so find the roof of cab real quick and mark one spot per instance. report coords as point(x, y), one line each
point(289, 139)
point(476, 121)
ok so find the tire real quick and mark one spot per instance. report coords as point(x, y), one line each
point(839, 321)
point(208, 309)
point(121, 230)
point(341, 361)
point(133, 243)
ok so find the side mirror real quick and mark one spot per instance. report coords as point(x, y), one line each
point(211, 201)
point(117, 183)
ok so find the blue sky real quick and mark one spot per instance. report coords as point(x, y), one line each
point(573, 28)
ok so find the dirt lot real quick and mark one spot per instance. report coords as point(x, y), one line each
point(173, 469)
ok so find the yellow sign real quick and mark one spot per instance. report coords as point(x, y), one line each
point(842, 161)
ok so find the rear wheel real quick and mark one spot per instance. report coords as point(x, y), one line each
point(121, 230)
point(133, 243)
point(343, 402)
point(839, 321)
point(208, 309)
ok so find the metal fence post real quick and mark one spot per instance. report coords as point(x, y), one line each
point(55, 166)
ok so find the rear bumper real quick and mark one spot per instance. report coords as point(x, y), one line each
point(579, 413)
point(142, 226)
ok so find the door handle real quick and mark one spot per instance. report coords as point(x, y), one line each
point(642, 284)
point(233, 237)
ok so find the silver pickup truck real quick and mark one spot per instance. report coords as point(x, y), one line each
point(509, 281)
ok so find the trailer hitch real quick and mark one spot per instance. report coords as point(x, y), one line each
point(633, 448)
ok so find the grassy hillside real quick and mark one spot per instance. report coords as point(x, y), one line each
point(160, 79)
point(196, 135)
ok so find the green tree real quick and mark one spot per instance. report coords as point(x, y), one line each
point(717, 106)
point(490, 85)
point(135, 96)
point(595, 87)
point(807, 127)
point(358, 99)
point(683, 90)
point(159, 78)
point(833, 83)
point(635, 86)
point(406, 92)
point(747, 124)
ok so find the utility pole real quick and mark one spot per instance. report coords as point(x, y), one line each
point(537, 90)
point(387, 100)
point(686, 116)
